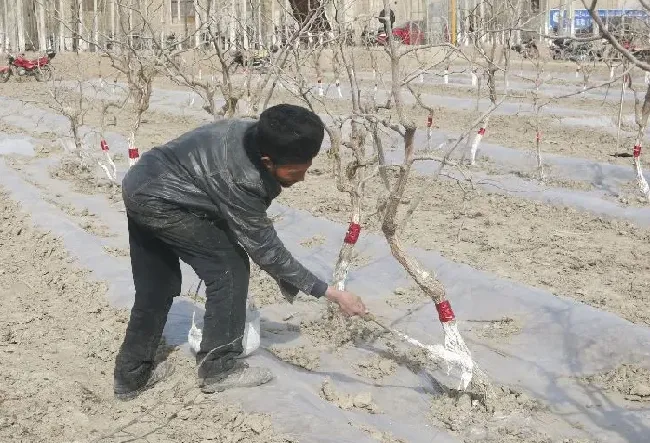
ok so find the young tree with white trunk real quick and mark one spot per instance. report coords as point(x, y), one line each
point(642, 108)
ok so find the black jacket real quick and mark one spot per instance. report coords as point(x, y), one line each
point(215, 170)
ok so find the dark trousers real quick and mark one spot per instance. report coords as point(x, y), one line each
point(157, 241)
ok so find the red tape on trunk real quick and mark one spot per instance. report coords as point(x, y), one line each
point(445, 313)
point(539, 136)
point(352, 235)
point(637, 151)
point(429, 121)
point(133, 153)
point(481, 131)
point(103, 145)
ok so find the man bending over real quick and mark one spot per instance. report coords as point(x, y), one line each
point(202, 198)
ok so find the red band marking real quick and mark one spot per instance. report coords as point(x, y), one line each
point(445, 313)
point(133, 153)
point(481, 131)
point(352, 235)
point(429, 121)
point(104, 145)
point(637, 151)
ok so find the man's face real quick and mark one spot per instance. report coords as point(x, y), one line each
point(287, 175)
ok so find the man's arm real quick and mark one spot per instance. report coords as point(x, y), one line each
point(247, 219)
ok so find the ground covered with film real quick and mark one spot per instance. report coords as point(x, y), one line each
point(549, 279)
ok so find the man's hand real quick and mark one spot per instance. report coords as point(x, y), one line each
point(349, 303)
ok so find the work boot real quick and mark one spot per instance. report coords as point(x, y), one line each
point(240, 376)
point(161, 372)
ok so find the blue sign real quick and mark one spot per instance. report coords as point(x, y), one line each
point(582, 18)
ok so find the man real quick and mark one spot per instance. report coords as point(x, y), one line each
point(384, 21)
point(202, 198)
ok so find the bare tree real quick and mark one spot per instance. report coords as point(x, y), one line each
point(491, 42)
point(132, 50)
point(359, 156)
point(262, 68)
point(73, 103)
point(637, 58)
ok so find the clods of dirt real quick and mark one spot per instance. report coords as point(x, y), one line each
point(312, 242)
point(629, 380)
point(406, 296)
point(497, 329)
point(375, 368)
point(332, 330)
point(506, 420)
point(302, 356)
point(362, 400)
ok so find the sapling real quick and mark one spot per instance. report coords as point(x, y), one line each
point(619, 119)
point(73, 106)
point(642, 112)
point(108, 165)
point(538, 81)
point(496, 59)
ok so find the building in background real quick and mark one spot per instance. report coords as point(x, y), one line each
point(82, 24)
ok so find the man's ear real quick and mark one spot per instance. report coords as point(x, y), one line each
point(268, 163)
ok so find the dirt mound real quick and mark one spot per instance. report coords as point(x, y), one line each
point(375, 368)
point(332, 330)
point(85, 177)
point(382, 437)
point(58, 340)
point(362, 400)
point(301, 356)
point(314, 241)
point(511, 420)
point(632, 381)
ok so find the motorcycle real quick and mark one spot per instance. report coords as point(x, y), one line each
point(40, 68)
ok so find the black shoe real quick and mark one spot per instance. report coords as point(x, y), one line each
point(161, 372)
point(240, 376)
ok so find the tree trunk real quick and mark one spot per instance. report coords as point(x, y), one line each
point(5, 25)
point(20, 23)
point(60, 18)
point(95, 26)
point(197, 23)
point(113, 36)
point(42, 33)
point(301, 10)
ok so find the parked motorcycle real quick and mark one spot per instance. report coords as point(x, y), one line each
point(527, 49)
point(21, 66)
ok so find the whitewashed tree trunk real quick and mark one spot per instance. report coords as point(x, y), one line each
point(640, 179)
point(163, 10)
point(130, 26)
point(5, 25)
point(95, 25)
point(20, 24)
point(197, 23)
point(61, 21)
point(42, 32)
point(232, 24)
point(244, 20)
point(113, 36)
point(79, 26)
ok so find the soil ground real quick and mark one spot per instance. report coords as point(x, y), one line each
point(59, 342)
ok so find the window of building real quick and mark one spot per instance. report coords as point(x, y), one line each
point(185, 7)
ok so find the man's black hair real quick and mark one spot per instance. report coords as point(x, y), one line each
point(289, 134)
